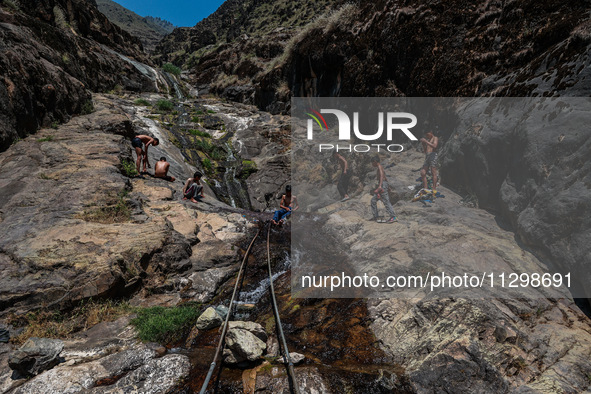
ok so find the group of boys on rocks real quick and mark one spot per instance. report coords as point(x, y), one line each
point(193, 189)
point(430, 144)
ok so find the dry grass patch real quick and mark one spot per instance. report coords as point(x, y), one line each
point(113, 210)
point(57, 324)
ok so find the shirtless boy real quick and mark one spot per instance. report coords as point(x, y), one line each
point(288, 204)
point(193, 188)
point(343, 185)
point(142, 154)
point(381, 192)
point(430, 143)
point(161, 170)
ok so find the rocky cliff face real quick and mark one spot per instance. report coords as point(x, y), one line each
point(52, 53)
point(235, 19)
point(393, 48)
point(148, 30)
point(537, 178)
point(228, 52)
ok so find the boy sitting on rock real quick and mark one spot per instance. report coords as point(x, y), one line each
point(193, 188)
point(287, 205)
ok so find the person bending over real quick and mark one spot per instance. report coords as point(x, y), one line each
point(138, 143)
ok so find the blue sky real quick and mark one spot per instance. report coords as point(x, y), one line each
point(178, 12)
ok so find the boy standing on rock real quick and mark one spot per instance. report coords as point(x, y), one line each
point(138, 142)
point(287, 205)
point(381, 193)
point(343, 185)
point(161, 170)
point(193, 188)
point(430, 146)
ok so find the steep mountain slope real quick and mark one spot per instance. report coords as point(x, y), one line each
point(388, 47)
point(250, 33)
point(51, 54)
point(148, 29)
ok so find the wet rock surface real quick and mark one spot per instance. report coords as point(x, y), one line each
point(243, 345)
point(263, 140)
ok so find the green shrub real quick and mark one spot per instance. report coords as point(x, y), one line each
point(196, 119)
point(204, 146)
point(207, 164)
point(129, 168)
point(165, 325)
point(142, 101)
point(200, 133)
point(171, 68)
point(217, 153)
point(117, 90)
point(248, 167)
point(87, 107)
point(164, 105)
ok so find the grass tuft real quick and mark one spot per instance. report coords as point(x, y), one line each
point(164, 105)
point(87, 107)
point(142, 101)
point(165, 325)
point(112, 211)
point(171, 68)
point(206, 163)
point(200, 133)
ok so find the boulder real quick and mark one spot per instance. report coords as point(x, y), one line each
point(254, 328)
point(36, 355)
point(209, 319)
point(242, 345)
